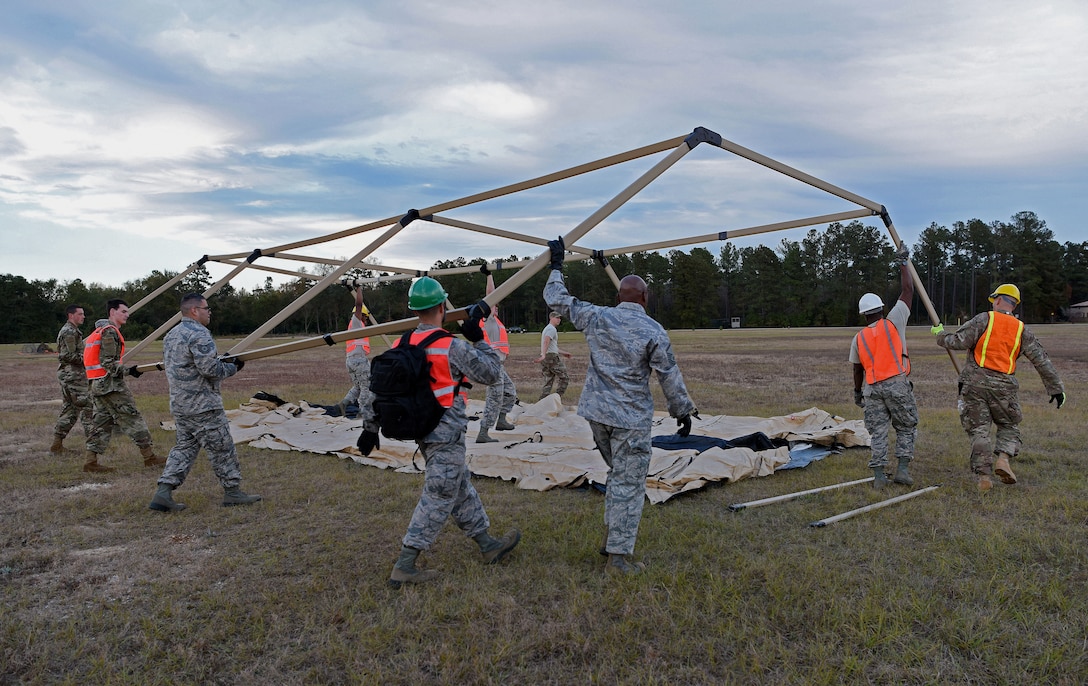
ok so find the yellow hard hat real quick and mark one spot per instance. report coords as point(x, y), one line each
point(1008, 290)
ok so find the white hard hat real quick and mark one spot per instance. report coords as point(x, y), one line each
point(869, 303)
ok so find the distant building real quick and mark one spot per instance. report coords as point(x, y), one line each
point(1079, 312)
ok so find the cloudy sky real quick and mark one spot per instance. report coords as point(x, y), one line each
point(141, 135)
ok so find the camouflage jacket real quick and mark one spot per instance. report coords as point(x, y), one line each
point(193, 368)
point(70, 353)
point(625, 346)
point(969, 334)
point(110, 359)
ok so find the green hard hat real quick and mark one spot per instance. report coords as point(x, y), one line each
point(425, 293)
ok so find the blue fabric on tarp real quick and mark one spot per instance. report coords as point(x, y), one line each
point(801, 454)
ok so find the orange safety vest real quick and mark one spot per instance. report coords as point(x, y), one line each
point(503, 344)
point(438, 354)
point(885, 356)
point(92, 352)
point(1000, 344)
point(355, 342)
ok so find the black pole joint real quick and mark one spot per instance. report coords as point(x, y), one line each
point(253, 256)
point(408, 218)
point(202, 261)
point(328, 339)
point(885, 216)
point(703, 135)
point(601, 260)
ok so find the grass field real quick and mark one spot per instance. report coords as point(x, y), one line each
point(947, 588)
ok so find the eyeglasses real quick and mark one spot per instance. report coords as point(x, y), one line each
point(203, 308)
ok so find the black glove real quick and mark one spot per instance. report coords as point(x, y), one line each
point(368, 441)
point(558, 252)
point(238, 363)
point(685, 426)
point(479, 310)
point(484, 270)
point(136, 373)
point(1058, 398)
point(470, 329)
point(859, 398)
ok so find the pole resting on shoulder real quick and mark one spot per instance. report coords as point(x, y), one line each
point(253, 256)
point(408, 218)
point(601, 259)
point(703, 135)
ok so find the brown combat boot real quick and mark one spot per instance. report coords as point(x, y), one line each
point(150, 458)
point(1003, 470)
point(58, 445)
point(91, 465)
point(406, 572)
point(984, 483)
point(622, 565)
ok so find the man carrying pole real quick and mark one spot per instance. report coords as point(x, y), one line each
point(502, 394)
point(879, 355)
point(988, 386)
point(358, 364)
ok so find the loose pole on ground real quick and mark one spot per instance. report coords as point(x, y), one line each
point(737, 507)
point(869, 508)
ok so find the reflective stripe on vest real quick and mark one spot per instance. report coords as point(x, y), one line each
point(503, 344)
point(92, 352)
point(1000, 344)
point(438, 353)
point(354, 324)
point(886, 355)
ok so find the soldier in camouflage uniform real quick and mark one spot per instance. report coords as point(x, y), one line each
point(193, 372)
point(114, 406)
point(625, 347)
point(358, 364)
point(74, 389)
point(501, 395)
point(447, 486)
point(551, 359)
point(879, 355)
point(988, 385)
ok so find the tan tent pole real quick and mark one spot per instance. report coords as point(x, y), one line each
point(329, 279)
point(501, 233)
point(498, 192)
point(542, 260)
point(169, 324)
point(737, 507)
point(168, 285)
point(737, 233)
point(275, 270)
point(869, 508)
point(799, 175)
point(918, 287)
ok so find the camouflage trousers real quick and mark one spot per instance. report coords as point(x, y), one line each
point(627, 453)
point(447, 492)
point(209, 430)
point(359, 393)
point(554, 371)
point(75, 405)
point(979, 407)
point(890, 404)
point(500, 400)
point(116, 409)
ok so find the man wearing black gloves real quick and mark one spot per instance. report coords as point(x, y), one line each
point(625, 346)
point(447, 488)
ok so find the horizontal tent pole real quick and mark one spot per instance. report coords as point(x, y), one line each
point(738, 233)
point(736, 507)
point(479, 228)
point(275, 270)
point(869, 508)
point(499, 192)
point(169, 324)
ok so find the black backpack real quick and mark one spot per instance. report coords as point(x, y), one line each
point(400, 378)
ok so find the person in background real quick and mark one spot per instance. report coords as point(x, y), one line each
point(626, 346)
point(357, 362)
point(74, 388)
point(502, 394)
point(447, 486)
point(881, 363)
point(193, 372)
point(551, 358)
point(989, 391)
point(103, 359)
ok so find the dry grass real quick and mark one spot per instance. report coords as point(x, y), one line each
point(946, 588)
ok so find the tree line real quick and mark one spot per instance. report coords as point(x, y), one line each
point(816, 281)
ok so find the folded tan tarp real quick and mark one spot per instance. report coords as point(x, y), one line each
point(552, 446)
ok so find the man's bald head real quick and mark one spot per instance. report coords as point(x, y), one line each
point(633, 289)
